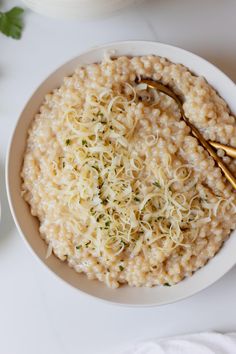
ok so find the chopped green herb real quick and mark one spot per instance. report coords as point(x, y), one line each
point(105, 201)
point(100, 114)
point(107, 223)
point(78, 247)
point(11, 23)
point(96, 168)
point(88, 243)
point(157, 184)
point(100, 217)
point(121, 268)
point(124, 243)
point(166, 284)
point(63, 164)
point(136, 199)
point(68, 142)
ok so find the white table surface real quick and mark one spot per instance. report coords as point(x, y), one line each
point(39, 313)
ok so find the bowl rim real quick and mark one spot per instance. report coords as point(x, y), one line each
point(105, 47)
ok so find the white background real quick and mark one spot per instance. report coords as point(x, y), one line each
point(39, 313)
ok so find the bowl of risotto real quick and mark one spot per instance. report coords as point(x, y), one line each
point(107, 185)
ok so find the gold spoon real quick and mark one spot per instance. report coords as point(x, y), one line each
point(207, 145)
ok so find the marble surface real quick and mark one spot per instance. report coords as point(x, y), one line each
point(39, 313)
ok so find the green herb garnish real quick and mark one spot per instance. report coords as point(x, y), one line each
point(68, 142)
point(136, 199)
point(11, 23)
point(78, 247)
point(107, 223)
point(166, 284)
point(105, 201)
point(86, 244)
point(121, 268)
point(157, 184)
point(100, 217)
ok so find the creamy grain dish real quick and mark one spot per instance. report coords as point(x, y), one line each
point(121, 189)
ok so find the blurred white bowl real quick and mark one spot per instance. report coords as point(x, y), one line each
point(82, 9)
point(28, 225)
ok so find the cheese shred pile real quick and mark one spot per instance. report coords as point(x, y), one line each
point(117, 203)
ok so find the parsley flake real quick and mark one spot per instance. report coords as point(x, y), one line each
point(86, 244)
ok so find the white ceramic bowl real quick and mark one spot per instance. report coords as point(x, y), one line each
point(28, 225)
point(81, 9)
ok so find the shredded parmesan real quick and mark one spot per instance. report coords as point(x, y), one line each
point(116, 207)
